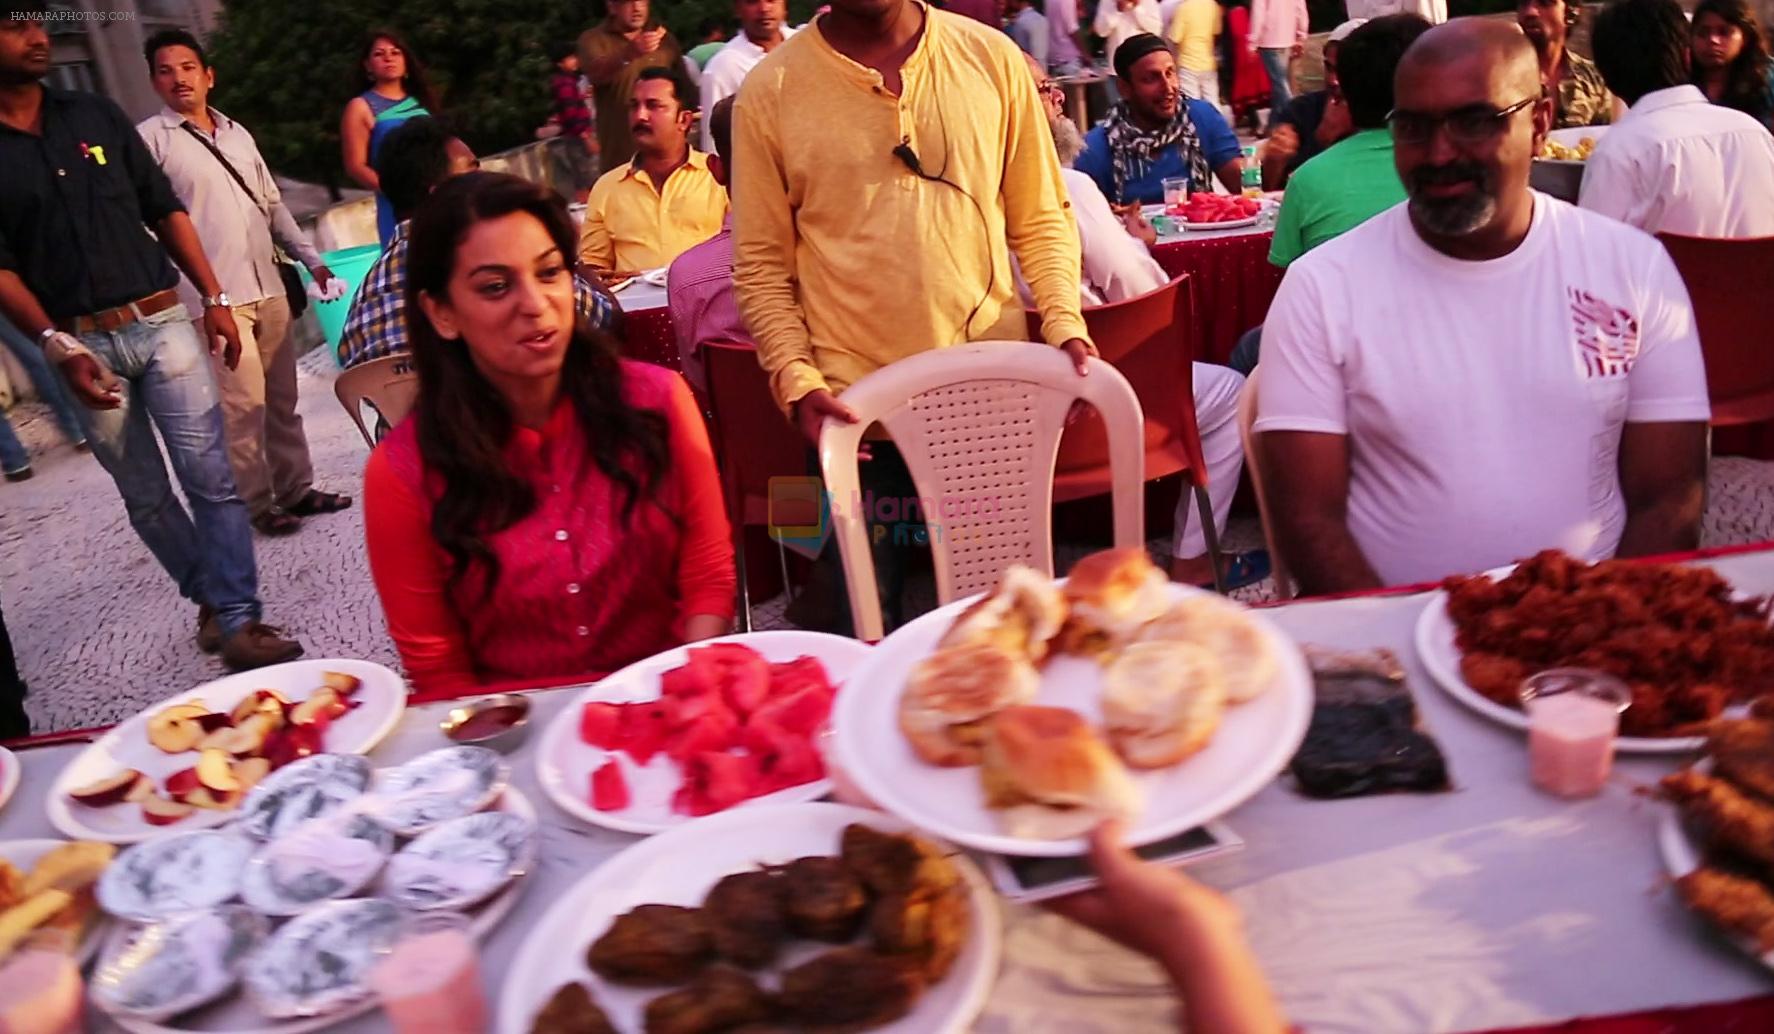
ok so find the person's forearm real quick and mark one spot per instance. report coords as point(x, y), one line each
point(21, 306)
point(290, 235)
point(1322, 556)
point(1668, 524)
point(698, 627)
point(1275, 168)
point(1231, 175)
point(1222, 986)
point(180, 238)
point(364, 175)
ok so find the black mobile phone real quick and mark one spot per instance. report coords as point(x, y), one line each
point(1037, 879)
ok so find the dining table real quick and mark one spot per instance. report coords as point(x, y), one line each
point(1486, 907)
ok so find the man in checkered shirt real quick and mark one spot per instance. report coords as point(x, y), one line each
point(414, 160)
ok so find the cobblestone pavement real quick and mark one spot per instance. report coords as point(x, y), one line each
point(101, 632)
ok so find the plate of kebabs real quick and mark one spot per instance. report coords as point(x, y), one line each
point(1032, 713)
point(1717, 836)
point(806, 916)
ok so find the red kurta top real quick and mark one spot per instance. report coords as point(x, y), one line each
point(579, 593)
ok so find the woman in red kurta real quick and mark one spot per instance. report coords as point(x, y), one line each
point(549, 510)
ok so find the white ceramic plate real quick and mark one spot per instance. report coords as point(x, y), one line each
point(23, 854)
point(1441, 658)
point(9, 774)
point(383, 697)
point(1682, 855)
point(234, 1015)
point(679, 867)
point(1255, 741)
point(1230, 224)
point(564, 762)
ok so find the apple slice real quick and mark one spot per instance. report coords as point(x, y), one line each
point(260, 700)
point(214, 800)
point(109, 790)
point(248, 771)
point(341, 683)
point(141, 791)
point(215, 770)
point(322, 707)
point(182, 783)
point(215, 720)
point(176, 729)
point(158, 811)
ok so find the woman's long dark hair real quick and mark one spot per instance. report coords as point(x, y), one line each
point(1746, 80)
point(417, 85)
point(464, 423)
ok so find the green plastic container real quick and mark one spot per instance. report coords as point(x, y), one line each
point(350, 265)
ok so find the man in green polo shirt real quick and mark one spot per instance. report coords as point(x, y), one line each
point(1354, 179)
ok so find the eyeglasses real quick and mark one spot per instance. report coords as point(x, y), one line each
point(1470, 125)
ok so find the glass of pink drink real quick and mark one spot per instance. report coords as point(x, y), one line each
point(40, 986)
point(429, 981)
point(1573, 720)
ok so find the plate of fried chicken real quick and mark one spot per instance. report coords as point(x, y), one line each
point(1717, 837)
point(802, 916)
point(1686, 643)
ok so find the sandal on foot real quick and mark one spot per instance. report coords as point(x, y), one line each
point(277, 522)
point(1244, 569)
point(317, 502)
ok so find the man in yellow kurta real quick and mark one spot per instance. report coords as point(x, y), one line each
point(886, 162)
point(647, 211)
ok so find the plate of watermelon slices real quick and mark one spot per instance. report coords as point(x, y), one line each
point(697, 730)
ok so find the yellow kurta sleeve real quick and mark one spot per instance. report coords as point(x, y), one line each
point(1039, 224)
point(597, 248)
point(764, 247)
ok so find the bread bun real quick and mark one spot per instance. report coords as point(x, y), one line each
point(1247, 660)
point(1050, 777)
point(1020, 615)
point(1109, 595)
point(1162, 702)
point(951, 692)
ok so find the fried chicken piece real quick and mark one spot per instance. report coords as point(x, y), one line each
point(745, 920)
point(896, 863)
point(719, 1000)
point(823, 899)
point(928, 927)
point(851, 988)
point(572, 1011)
point(1735, 903)
point(653, 944)
point(1743, 751)
point(1728, 819)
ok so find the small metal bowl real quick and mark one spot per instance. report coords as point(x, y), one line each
point(500, 721)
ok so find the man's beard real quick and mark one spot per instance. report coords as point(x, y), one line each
point(1456, 216)
point(1066, 139)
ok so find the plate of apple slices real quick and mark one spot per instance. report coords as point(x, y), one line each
point(189, 761)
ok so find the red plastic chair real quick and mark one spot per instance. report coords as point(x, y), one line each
point(1148, 339)
point(1730, 283)
point(753, 443)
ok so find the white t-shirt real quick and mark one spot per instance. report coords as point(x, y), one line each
point(1117, 265)
point(1677, 163)
point(1483, 401)
point(726, 70)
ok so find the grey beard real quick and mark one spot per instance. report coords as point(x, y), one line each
point(1066, 139)
point(1454, 218)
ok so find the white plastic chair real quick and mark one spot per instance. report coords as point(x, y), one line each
point(979, 427)
point(1247, 418)
point(390, 385)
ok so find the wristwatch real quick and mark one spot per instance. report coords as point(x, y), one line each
point(217, 301)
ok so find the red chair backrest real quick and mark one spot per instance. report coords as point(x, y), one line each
point(753, 441)
point(1731, 283)
point(1148, 339)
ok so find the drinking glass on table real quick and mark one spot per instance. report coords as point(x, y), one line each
point(1176, 192)
point(40, 986)
point(429, 981)
point(1573, 720)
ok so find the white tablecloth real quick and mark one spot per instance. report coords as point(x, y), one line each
point(1489, 906)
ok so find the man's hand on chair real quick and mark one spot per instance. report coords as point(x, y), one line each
point(814, 407)
point(1079, 350)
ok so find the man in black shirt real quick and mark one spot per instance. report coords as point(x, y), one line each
point(80, 272)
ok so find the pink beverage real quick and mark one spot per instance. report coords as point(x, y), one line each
point(429, 982)
point(40, 991)
point(1572, 723)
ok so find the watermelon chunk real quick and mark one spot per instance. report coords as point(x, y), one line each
point(798, 674)
point(715, 781)
point(645, 729)
point(600, 725)
point(609, 789)
point(715, 731)
point(685, 681)
point(742, 676)
point(802, 712)
point(785, 759)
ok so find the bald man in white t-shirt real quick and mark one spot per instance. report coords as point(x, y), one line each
point(1483, 371)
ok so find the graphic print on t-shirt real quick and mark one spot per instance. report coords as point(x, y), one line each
point(1607, 335)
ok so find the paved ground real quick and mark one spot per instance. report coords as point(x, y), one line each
point(101, 632)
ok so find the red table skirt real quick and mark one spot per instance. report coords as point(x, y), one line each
point(1233, 284)
point(1749, 1016)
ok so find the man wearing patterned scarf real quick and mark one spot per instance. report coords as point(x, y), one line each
point(1155, 133)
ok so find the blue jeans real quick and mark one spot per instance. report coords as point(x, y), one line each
point(1281, 88)
point(167, 379)
point(13, 457)
point(49, 387)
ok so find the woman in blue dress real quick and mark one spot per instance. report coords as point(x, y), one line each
point(397, 92)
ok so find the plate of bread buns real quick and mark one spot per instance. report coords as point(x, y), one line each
point(1015, 721)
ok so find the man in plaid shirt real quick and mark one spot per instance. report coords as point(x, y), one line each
point(414, 160)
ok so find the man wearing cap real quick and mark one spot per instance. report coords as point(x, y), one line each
point(1156, 134)
point(1310, 122)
